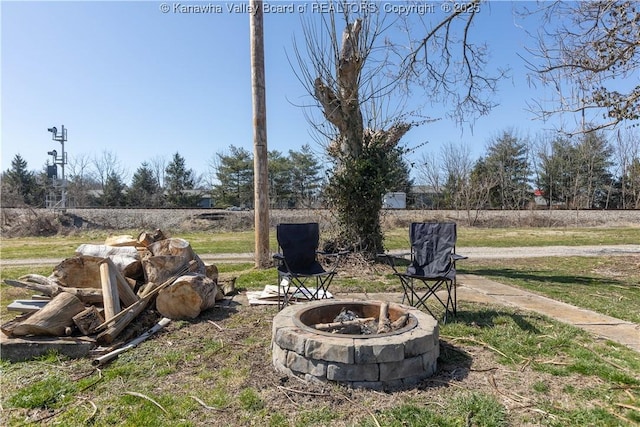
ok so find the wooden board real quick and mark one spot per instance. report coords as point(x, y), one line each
point(26, 305)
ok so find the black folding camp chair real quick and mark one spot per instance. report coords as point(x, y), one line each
point(432, 266)
point(300, 274)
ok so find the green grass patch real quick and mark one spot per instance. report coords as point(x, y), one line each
point(607, 285)
point(396, 238)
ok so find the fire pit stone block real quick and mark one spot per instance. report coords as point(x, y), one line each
point(330, 349)
point(385, 361)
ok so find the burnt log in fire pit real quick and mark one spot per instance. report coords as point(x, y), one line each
point(399, 358)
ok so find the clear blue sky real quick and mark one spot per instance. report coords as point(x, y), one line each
point(127, 78)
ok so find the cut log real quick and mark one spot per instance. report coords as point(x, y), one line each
point(383, 320)
point(88, 320)
point(125, 290)
point(166, 257)
point(88, 296)
point(187, 297)
point(211, 271)
point(157, 269)
point(122, 257)
point(83, 271)
point(400, 322)
point(172, 246)
point(112, 328)
point(145, 239)
point(55, 319)
point(336, 325)
point(7, 327)
point(110, 297)
point(119, 241)
point(176, 247)
point(78, 272)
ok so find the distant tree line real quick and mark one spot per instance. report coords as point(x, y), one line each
point(585, 171)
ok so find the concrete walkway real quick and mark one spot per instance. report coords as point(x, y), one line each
point(477, 288)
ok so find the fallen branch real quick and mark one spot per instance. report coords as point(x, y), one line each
point(484, 344)
point(111, 355)
point(492, 381)
point(204, 405)
point(215, 324)
point(93, 414)
point(335, 325)
point(623, 405)
point(86, 295)
point(135, 393)
point(309, 393)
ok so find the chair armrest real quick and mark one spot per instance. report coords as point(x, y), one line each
point(457, 257)
point(278, 257)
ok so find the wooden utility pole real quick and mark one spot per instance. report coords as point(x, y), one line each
point(260, 171)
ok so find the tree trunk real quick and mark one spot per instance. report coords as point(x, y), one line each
point(187, 297)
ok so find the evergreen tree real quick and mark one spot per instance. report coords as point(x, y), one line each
point(576, 174)
point(306, 177)
point(234, 173)
point(507, 158)
point(144, 190)
point(179, 179)
point(113, 193)
point(595, 153)
point(280, 180)
point(556, 177)
point(20, 185)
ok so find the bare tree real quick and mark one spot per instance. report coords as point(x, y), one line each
point(430, 173)
point(457, 164)
point(107, 164)
point(588, 53)
point(81, 180)
point(353, 79)
point(158, 165)
point(626, 149)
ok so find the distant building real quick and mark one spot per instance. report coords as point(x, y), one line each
point(424, 197)
point(395, 200)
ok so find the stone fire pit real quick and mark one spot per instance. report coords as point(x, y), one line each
point(379, 361)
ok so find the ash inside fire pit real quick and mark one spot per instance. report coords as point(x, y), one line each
point(369, 344)
point(356, 318)
point(351, 323)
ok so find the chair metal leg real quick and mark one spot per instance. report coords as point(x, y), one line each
point(419, 300)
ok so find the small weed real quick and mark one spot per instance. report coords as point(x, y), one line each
point(50, 392)
point(250, 400)
point(540, 387)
